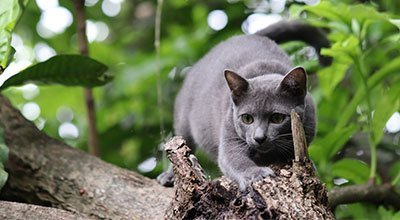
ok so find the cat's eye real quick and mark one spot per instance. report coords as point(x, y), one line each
point(277, 118)
point(247, 119)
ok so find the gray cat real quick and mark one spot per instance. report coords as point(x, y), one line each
point(235, 104)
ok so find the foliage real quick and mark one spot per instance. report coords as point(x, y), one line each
point(355, 95)
point(371, 70)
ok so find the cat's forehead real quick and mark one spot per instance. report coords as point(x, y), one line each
point(265, 103)
point(265, 82)
point(264, 96)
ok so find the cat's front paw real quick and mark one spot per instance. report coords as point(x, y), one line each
point(166, 178)
point(252, 174)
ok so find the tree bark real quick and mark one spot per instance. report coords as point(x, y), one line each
point(13, 210)
point(47, 172)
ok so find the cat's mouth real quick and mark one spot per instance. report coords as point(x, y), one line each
point(263, 148)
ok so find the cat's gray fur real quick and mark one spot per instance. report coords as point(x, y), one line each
point(246, 74)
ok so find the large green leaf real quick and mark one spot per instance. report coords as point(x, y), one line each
point(3, 159)
point(69, 70)
point(351, 169)
point(10, 12)
point(327, 146)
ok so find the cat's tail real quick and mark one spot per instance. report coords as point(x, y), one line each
point(284, 31)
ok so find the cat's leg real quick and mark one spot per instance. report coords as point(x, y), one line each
point(235, 163)
point(166, 178)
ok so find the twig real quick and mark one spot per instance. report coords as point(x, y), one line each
point(93, 136)
point(157, 30)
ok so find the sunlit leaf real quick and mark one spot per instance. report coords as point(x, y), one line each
point(395, 22)
point(331, 76)
point(342, 53)
point(69, 70)
point(329, 11)
point(10, 12)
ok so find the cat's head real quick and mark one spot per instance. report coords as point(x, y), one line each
point(262, 106)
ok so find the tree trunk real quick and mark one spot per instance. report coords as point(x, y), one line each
point(47, 172)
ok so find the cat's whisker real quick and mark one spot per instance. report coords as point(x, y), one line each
point(285, 154)
point(285, 148)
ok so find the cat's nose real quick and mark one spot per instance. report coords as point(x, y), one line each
point(260, 139)
point(259, 135)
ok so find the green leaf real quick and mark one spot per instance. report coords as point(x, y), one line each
point(3, 159)
point(341, 52)
point(389, 69)
point(68, 70)
point(351, 169)
point(330, 144)
point(10, 12)
point(386, 106)
point(394, 170)
point(331, 76)
point(329, 11)
point(345, 13)
point(385, 213)
point(295, 11)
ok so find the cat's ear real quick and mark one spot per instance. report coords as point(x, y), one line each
point(294, 82)
point(237, 84)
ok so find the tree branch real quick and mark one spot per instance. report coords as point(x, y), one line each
point(93, 136)
point(13, 210)
point(383, 194)
point(47, 172)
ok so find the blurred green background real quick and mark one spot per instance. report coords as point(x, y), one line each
point(357, 96)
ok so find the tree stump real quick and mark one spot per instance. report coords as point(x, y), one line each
point(294, 193)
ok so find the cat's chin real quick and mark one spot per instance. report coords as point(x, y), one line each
point(262, 149)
